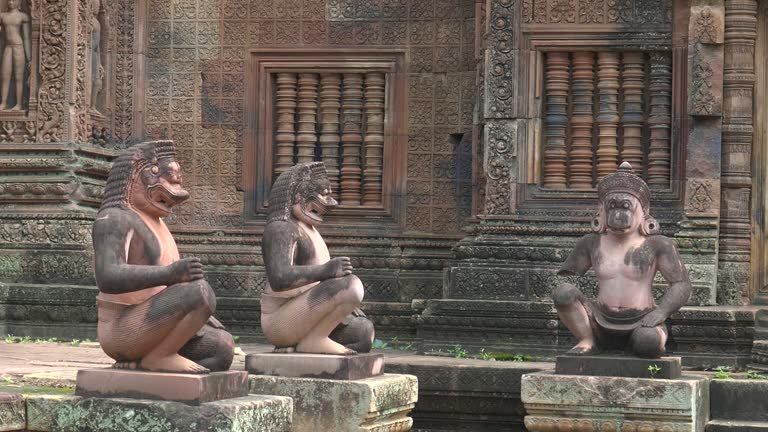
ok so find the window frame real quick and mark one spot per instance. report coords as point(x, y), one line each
point(258, 153)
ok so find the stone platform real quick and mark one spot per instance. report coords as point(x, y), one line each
point(377, 404)
point(619, 366)
point(244, 414)
point(186, 388)
point(571, 402)
point(322, 366)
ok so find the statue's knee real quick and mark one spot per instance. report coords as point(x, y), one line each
point(226, 352)
point(647, 342)
point(200, 295)
point(354, 290)
point(566, 294)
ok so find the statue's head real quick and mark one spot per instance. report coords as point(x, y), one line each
point(14, 4)
point(146, 178)
point(624, 204)
point(303, 192)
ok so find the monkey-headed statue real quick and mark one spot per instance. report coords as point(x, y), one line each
point(626, 252)
point(155, 308)
point(311, 302)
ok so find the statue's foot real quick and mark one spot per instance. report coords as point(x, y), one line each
point(131, 365)
point(583, 348)
point(16, 108)
point(173, 363)
point(323, 346)
point(284, 350)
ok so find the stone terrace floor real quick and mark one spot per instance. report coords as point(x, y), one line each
point(53, 364)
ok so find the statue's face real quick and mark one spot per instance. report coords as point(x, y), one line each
point(313, 200)
point(158, 189)
point(96, 6)
point(623, 212)
point(13, 4)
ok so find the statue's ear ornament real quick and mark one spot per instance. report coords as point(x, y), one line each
point(650, 226)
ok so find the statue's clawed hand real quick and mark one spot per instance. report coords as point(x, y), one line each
point(339, 267)
point(186, 270)
point(654, 318)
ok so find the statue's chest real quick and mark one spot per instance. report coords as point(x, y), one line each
point(311, 248)
point(631, 263)
point(158, 245)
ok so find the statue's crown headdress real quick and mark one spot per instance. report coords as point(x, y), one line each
point(625, 180)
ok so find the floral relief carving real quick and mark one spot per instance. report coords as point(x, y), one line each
point(591, 12)
point(501, 155)
point(700, 195)
point(703, 99)
point(562, 11)
point(706, 28)
point(53, 64)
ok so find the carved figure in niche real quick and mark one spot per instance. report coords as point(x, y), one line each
point(17, 53)
point(311, 301)
point(625, 252)
point(155, 308)
point(97, 70)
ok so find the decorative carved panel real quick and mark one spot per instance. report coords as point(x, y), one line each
point(602, 108)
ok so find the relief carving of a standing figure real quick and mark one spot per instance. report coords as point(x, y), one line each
point(97, 69)
point(17, 52)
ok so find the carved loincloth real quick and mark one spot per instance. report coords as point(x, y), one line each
point(624, 321)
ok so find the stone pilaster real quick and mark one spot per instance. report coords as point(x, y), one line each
point(736, 182)
point(698, 236)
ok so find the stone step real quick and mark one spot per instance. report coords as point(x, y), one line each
point(736, 426)
point(739, 400)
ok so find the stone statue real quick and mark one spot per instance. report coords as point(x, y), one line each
point(97, 70)
point(17, 52)
point(309, 295)
point(155, 309)
point(625, 252)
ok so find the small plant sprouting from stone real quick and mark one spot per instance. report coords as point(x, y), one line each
point(722, 372)
point(7, 379)
point(497, 356)
point(17, 339)
point(393, 343)
point(458, 351)
point(756, 375)
point(379, 344)
point(486, 355)
point(236, 338)
point(75, 342)
point(654, 370)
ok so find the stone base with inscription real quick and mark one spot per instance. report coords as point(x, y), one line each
point(323, 366)
point(592, 403)
point(377, 404)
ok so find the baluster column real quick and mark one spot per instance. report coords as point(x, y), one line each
point(633, 74)
point(330, 102)
point(608, 114)
point(556, 122)
point(285, 136)
point(351, 138)
point(374, 138)
point(582, 120)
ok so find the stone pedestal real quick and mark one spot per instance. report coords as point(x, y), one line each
point(377, 404)
point(244, 414)
point(185, 388)
point(316, 365)
point(12, 413)
point(570, 402)
point(619, 366)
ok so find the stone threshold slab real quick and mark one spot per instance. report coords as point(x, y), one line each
point(321, 366)
point(619, 366)
point(186, 388)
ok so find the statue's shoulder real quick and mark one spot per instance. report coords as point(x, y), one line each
point(116, 218)
point(281, 226)
point(591, 240)
point(661, 243)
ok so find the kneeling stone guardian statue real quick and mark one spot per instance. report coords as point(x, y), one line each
point(626, 252)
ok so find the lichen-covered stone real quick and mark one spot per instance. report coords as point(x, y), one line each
point(12, 413)
point(41, 409)
point(245, 414)
point(570, 402)
point(374, 404)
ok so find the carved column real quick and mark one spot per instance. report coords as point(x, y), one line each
point(330, 102)
point(659, 155)
point(736, 180)
point(556, 86)
point(608, 114)
point(306, 136)
point(351, 138)
point(374, 138)
point(285, 137)
point(632, 84)
point(583, 88)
